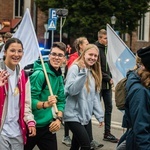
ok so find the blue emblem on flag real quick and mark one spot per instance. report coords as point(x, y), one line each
point(125, 62)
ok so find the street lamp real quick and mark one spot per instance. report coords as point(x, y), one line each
point(62, 13)
point(113, 21)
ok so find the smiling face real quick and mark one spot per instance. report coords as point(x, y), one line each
point(91, 56)
point(57, 57)
point(13, 55)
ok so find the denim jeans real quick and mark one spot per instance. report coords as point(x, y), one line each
point(106, 94)
point(80, 139)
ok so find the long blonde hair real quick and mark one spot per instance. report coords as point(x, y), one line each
point(95, 69)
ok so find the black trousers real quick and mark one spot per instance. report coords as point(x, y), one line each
point(80, 139)
point(89, 130)
point(107, 98)
point(44, 139)
point(66, 130)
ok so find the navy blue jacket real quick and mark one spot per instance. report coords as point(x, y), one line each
point(137, 114)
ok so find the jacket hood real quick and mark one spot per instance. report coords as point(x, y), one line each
point(133, 78)
point(49, 68)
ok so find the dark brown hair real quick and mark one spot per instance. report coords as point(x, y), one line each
point(60, 45)
point(9, 42)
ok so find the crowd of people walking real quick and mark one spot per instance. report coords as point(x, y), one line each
point(31, 114)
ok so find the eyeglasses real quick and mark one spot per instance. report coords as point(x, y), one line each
point(55, 54)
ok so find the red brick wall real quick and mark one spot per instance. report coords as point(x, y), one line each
point(6, 9)
point(41, 20)
point(136, 45)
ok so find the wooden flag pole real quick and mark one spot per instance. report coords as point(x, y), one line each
point(48, 82)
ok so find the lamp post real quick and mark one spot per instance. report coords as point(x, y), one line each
point(62, 13)
point(113, 21)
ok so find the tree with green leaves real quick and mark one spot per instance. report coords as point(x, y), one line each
point(86, 17)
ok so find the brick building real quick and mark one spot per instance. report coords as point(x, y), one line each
point(12, 11)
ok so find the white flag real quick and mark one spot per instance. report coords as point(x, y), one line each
point(26, 34)
point(119, 57)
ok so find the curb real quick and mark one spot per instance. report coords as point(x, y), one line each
point(114, 125)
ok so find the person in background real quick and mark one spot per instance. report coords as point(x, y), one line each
point(68, 50)
point(107, 83)
point(137, 107)
point(15, 99)
point(82, 89)
point(79, 45)
point(42, 100)
point(1, 40)
point(7, 36)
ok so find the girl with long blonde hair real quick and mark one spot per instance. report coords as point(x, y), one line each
point(82, 89)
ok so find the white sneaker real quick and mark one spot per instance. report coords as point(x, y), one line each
point(67, 141)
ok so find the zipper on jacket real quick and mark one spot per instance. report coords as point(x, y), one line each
point(107, 84)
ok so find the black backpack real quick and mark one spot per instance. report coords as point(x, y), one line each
point(29, 71)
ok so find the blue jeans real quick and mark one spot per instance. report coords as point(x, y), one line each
point(106, 94)
point(80, 139)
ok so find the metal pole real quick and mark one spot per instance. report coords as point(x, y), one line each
point(45, 40)
point(60, 29)
point(45, 35)
point(52, 37)
point(113, 26)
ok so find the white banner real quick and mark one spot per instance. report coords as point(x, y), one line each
point(119, 57)
point(26, 34)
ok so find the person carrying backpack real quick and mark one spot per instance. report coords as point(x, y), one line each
point(42, 100)
point(137, 106)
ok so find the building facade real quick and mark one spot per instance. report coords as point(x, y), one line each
point(12, 11)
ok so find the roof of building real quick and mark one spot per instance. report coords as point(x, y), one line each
point(10, 25)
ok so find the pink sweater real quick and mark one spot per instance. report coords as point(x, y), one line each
point(3, 105)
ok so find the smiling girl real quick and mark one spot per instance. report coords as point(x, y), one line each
point(82, 88)
point(15, 99)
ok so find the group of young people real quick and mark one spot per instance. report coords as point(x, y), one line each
point(27, 116)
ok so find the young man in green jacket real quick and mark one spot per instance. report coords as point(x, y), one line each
point(42, 100)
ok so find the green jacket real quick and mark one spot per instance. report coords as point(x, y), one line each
point(43, 117)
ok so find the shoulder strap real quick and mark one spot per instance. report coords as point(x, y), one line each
point(44, 84)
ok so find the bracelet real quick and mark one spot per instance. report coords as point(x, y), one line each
point(43, 105)
point(59, 118)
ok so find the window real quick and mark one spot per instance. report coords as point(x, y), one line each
point(144, 27)
point(18, 7)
